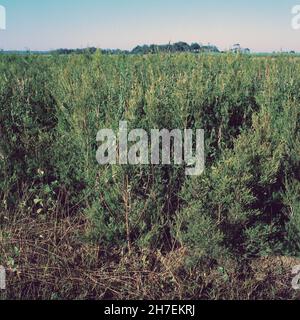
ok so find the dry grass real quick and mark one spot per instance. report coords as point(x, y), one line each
point(51, 260)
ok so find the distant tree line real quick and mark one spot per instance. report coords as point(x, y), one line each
point(90, 50)
point(147, 49)
point(176, 47)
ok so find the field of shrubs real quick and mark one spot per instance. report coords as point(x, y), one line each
point(72, 229)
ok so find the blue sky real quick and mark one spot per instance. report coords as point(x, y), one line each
point(262, 25)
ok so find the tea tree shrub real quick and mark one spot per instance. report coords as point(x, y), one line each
point(244, 205)
point(246, 192)
point(27, 123)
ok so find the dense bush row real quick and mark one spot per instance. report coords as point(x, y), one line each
point(246, 204)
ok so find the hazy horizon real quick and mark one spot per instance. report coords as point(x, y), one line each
point(262, 26)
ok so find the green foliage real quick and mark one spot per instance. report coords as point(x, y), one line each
point(200, 233)
point(292, 202)
point(243, 191)
point(247, 202)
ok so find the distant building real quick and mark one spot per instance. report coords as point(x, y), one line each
point(236, 48)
